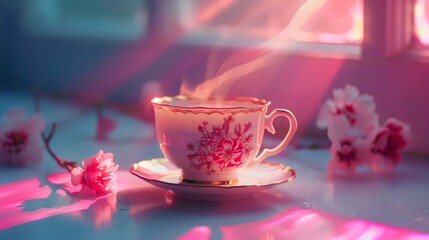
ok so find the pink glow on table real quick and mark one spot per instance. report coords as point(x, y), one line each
point(313, 224)
point(17, 196)
point(30, 200)
point(200, 232)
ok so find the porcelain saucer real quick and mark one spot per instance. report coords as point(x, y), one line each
point(161, 173)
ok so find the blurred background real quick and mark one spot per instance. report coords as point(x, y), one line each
point(294, 53)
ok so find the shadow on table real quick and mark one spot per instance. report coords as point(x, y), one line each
point(174, 217)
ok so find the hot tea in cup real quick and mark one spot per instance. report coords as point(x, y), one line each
point(212, 140)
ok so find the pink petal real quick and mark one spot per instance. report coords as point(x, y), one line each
point(335, 165)
point(32, 153)
point(350, 93)
point(406, 129)
point(14, 115)
point(77, 176)
point(335, 146)
point(36, 123)
point(345, 96)
point(111, 186)
point(14, 118)
point(339, 128)
point(366, 102)
point(325, 114)
point(93, 159)
point(100, 154)
point(107, 156)
point(339, 98)
point(107, 162)
point(114, 168)
point(88, 161)
point(363, 150)
point(33, 126)
point(87, 191)
point(366, 117)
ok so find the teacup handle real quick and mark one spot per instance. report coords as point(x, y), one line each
point(269, 120)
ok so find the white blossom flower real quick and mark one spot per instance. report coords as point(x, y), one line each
point(359, 110)
point(388, 143)
point(20, 141)
point(349, 150)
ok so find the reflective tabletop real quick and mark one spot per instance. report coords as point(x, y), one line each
point(40, 203)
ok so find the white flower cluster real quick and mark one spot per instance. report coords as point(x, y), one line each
point(356, 135)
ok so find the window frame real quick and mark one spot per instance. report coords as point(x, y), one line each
point(399, 40)
point(209, 38)
point(393, 37)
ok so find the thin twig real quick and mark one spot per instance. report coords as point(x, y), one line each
point(67, 164)
point(51, 132)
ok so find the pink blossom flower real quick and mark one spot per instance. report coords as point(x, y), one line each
point(359, 110)
point(98, 175)
point(20, 142)
point(105, 125)
point(349, 150)
point(388, 143)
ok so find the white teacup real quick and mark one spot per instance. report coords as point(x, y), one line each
point(211, 140)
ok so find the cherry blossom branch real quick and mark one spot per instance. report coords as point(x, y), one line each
point(67, 164)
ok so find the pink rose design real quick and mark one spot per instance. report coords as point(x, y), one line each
point(220, 149)
point(98, 175)
point(229, 152)
point(348, 149)
point(388, 143)
point(359, 110)
point(20, 142)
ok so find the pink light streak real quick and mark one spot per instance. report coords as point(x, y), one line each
point(313, 224)
point(13, 197)
point(133, 59)
point(199, 232)
point(17, 200)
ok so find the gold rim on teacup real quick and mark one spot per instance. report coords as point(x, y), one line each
point(168, 101)
point(210, 183)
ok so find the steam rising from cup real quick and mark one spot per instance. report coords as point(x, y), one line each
point(220, 84)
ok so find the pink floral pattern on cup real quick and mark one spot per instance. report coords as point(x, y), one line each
point(220, 148)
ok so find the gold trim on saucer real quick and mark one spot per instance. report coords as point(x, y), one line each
point(211, 183)
point(170, 178)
